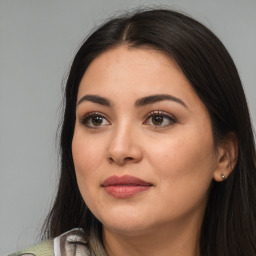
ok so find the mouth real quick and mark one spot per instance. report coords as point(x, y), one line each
point(125, 186)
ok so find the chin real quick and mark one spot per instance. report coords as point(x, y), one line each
point(126, 223)
point(126, 230)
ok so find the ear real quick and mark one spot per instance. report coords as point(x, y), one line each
point(226, 157)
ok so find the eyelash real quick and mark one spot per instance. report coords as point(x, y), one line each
point(87, 119)
point(171, 120)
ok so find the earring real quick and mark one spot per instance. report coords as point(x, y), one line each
point(223, 176)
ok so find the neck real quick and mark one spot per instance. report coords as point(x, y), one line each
point(176, 240)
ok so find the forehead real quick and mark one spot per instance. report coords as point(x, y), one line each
point(121, 73)
point(144, 56)
point(130, 65)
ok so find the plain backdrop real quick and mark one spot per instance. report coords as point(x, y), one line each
point(38, 40)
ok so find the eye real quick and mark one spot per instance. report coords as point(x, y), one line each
point(159, 118)
point(94, 120)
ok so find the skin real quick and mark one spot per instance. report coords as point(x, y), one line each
point(178, 157)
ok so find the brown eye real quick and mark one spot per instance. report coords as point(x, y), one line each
point(157, 120)
point(94, 120)
point(97, 120)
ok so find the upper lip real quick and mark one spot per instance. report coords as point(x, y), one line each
point(124, 180)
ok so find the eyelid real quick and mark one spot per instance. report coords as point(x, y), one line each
point(163, 114)
point(89, 115)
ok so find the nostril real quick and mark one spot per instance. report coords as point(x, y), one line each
point(128, 158)
point(120, 160)
point(111, 160)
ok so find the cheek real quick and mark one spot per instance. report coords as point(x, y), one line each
point(184, 168)
point(87, 160)
point(86, 151)
point(185, 162)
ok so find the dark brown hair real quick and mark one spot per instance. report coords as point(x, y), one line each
point(229, 225)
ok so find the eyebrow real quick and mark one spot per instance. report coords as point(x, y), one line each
point(95, 99)
point(156, 98)
point(138, 103)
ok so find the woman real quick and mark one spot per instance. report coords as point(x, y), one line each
point(157, 149)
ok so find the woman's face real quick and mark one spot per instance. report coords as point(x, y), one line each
point(143, 147)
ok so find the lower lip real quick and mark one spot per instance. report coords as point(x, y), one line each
point(125, 191)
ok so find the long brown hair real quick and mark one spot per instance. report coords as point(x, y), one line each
point(229, 225)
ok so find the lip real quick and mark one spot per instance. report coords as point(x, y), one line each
point(125, 186)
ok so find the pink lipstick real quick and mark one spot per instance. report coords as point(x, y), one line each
point(125, 186)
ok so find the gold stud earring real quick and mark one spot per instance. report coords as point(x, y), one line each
point(223, 176)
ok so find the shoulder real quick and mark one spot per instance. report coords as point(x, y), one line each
point(69, 243)
point(43, 249)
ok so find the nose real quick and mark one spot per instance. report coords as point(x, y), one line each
point(124, 147)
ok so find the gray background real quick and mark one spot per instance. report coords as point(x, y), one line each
point(38, 40)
